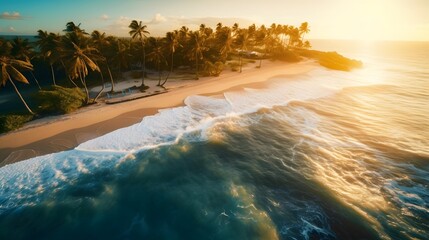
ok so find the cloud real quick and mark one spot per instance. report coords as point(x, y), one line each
point(104, 17)
point(11, 16)
point(11, 29)
point(158, 18)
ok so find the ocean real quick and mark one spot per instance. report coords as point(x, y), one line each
point(321, 155)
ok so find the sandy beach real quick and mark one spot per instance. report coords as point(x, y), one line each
point(65, 132)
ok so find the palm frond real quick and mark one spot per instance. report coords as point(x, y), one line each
point(4, 75)
point(17, 75)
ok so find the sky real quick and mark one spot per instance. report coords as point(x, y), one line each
point(406, 20)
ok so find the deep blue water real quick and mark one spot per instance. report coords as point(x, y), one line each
point(323, 155)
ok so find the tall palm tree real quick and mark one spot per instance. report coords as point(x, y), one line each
point(172, 44)
point(303, 29)
point(157, 56)
point(261, 37)
point(197, 47)
point(100, 41)
point(138, 31)
point(226, 41)
point(121, 56)
point(242, 42)
point(80, 58)
point(294, 36)
point(9, 70)
point(48, 50)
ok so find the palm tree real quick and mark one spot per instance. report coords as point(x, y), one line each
point(79, 59)
point(197, 47)
point(226, 41)
point(138, 31)
point(100, 41)
point(71, 27)
point(22, 50)
point(242, 42)
point(157, 56)
point(307, 44)
point(121, 57)
point(48, 50)
point(172, 43)
point(219, 26)
point(294, 36)
point(303, 29)
point(9, 70)
point(261, 36)
point(235, 28)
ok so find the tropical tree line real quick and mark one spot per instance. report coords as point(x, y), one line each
point(76, 54)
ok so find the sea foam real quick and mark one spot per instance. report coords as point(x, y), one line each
point(200, 112)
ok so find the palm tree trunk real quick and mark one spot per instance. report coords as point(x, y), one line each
point(83, 81)
point(159, 75)
point(53, 75)
point(171, 69)
point(260, 62)
point(35, 79)
point(143, 64)
point(241, 62)
point(111, 78)
point(70, 79)
point(196, 65)
point(20, 96)
point(102, 88)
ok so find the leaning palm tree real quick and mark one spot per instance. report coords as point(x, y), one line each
point(172, 43)
point(138, 31)
point(9, 71)
point(100, 41)
point(22, 50)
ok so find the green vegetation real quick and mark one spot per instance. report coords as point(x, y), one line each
point(79, 59)
point(332, 60)
point(13, 121)
point(59, 100)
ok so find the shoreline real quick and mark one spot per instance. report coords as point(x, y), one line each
point(66, 132)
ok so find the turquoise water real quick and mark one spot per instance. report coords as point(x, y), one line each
point(323, 155)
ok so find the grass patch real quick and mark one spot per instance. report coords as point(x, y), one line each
point(59, 100)
point(13, 121)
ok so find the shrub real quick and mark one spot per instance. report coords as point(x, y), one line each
point(13, 121)
point(332, 60)
point(59, 100)
point(234, 65)
point(213, 69)
point(285, 55)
